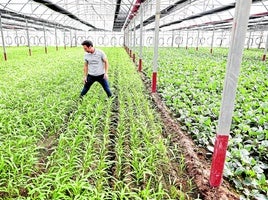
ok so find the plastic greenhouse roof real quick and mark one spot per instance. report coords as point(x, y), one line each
point(114, 15)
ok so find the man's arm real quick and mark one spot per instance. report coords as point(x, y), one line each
point(85, 72)
point(106, 67)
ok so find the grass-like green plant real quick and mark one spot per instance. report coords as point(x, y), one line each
point(54, 146)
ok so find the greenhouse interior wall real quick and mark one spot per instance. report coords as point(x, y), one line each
point(255, 39)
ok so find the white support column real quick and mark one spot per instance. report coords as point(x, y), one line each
point(56, 38)
point(127, 39)
point(130, 40)
point(134, 38)
point(179, 36)
point(141, 36)
point(71, 39)
point(156, 42)
point(173, 37)
point(187, 36)
point(212, 40)
point(17, 41)
point(265, 50)
point(64, 38)
point(221, 38)
point(239, 30)
point(197, 41)
point(249, 38)
point(75, 37)
point(261, 38)
point(45, 40)
point(28, 38)
point(3, 39)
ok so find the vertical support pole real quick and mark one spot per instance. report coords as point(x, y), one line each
point(45, 40)
point(71, 39)
point(127, 39)
point(28, 38)
point(187, 36)
point(141, 37)
point(239, 29)
point(130, 41)
point(127, 43)
point(124, 40)
point(56, 38)
point(265, 50)
point(179, 36)
point(134, 38)
point(3, 39)
point(261, 37)
point(172, 40)
point(64, 38)
point(221, 38)
point(75, 37)
point(17, 38)
point(212, 40)
point(197, 41)
point(156, 42)
point(249, 38)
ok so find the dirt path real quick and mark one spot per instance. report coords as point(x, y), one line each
point(198, 167)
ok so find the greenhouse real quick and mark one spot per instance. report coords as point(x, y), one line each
point(180, 110)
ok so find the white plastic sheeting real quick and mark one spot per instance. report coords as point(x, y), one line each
point(178, 19)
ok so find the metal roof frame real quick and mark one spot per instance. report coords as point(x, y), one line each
point(116, 15)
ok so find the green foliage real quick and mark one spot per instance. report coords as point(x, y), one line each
point(191, 84)
point(54, 146)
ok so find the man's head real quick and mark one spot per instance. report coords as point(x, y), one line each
point(88, 46)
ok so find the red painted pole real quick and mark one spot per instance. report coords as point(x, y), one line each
point(154, 80)
point(156, 43)
point(141, 38)
point(5, 56)
point(218, 160)
point(264, 57)
point(140, 65)
point(134, 58)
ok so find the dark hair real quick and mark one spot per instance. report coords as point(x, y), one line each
point(88, 43)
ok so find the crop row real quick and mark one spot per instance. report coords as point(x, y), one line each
point(54, 146)
point(191, 84)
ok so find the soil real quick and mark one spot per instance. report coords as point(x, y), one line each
point(197, 165)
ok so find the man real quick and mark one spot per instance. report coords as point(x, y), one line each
point(95, 68)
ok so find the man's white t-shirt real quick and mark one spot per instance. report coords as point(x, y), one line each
point(95, 62)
